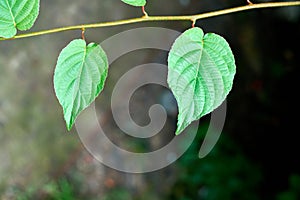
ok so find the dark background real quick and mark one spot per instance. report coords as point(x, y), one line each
point(255, 158)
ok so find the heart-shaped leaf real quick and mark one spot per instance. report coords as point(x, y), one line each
point(79, 77)
point(201, 70)
point(17, 15)
point(135, 2)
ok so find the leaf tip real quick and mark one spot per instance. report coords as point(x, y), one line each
point(69, 128)
point(177, 132)
point(69, 125)
point(180, 129)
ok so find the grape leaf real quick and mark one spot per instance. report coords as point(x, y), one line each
point(201, 70)
point(135, 2)
point(17, 15)
point(79, 77)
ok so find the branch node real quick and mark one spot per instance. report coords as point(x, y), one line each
point(249, 2)
point(82, 33)
point(144, 12)
point(194, 22)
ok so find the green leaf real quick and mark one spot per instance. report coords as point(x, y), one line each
point(79, 77)
point(17, 14)
point(201, 70)
point(135, 2)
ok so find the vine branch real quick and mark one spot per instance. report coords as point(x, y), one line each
point(148, 18)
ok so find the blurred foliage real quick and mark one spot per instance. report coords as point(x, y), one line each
point(223, 174)
point(60, 190)
point(293, 193)
point(117, 194)
point(33, 145)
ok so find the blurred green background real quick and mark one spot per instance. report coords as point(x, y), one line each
point(255, 158)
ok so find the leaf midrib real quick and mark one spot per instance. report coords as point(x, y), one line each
point(77, 89)
point(11, 14)
point(197, 74)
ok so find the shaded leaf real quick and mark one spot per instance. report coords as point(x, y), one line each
point(201, 70)
point(79, 77)
point(17, 15)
